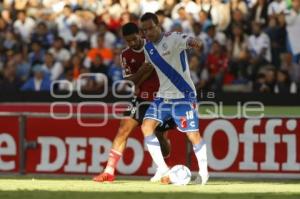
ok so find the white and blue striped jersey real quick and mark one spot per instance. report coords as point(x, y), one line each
point(169, 58)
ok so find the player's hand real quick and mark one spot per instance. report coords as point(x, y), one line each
point(146, 67)
point(195, 43)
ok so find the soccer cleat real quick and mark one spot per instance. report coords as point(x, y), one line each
point(164, 144)
point(104, 177)
point(161, 177)
point(157, 176)
point(165, 179)
point(201, 179)
point(204, 179)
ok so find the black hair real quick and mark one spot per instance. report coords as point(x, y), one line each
point(59, 39)
point(260, 76)
point(181, 8)
point(287, 76)
point(129, 28)
point(149, 16)
point(42, 23)
point(68, 7)
point(160, 12)
point(242, 36)
point(35, 42)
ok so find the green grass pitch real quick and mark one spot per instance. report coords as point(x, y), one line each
point(43, 188)
point(268, 111)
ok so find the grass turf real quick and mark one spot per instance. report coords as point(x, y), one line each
point(24, 187)
point(268, 111)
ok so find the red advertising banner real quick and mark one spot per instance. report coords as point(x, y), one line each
point(9, 144)
point(64, 146)
point(252, 145)
point(235, 146)
point(238, 145)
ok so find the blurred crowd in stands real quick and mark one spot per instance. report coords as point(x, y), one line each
point(249, 45)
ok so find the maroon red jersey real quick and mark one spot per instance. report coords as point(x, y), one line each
point(131, 61)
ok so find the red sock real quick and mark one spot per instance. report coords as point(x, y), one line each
point(113, 159)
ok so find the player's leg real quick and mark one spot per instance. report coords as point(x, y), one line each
point(162, 137)
point(186, 117)
point(160, 131)
point(162, 134)
point(165, 146)
point(153, 117)
point(199, 148)
point(153, 145)
point(126, 127)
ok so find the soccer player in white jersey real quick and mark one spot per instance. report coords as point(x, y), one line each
point(176, 96)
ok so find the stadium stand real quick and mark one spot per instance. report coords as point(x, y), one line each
point(249, 46)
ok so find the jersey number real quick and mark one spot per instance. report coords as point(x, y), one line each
point(189, 115)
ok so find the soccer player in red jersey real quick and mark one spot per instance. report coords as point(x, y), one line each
point(145, 79)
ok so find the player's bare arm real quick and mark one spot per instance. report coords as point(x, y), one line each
point(141, 75)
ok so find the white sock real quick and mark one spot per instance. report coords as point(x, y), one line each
point(200, 152)
point(155, 152)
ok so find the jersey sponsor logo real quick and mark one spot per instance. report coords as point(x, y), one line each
point(132, 61)
point(151, 51)
point(144, 95)
point(133, 110)
point(192, 124)
point(165, 49)
point(168, 34)
point(166, 53)
point(183, 122)
point(165, 46)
